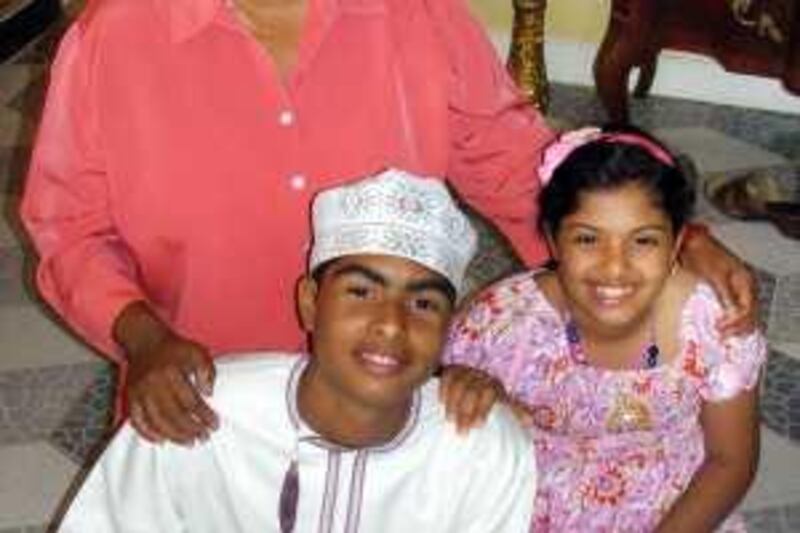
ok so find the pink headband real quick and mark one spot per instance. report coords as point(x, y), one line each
point(568, 142)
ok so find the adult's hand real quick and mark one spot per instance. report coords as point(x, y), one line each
point(168, 377)
point(730, 278)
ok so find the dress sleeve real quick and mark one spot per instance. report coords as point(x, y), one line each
point(490, 336)
point(497, 137)
point(85, 270)
point(722, 367)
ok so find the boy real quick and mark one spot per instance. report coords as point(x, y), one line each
point(351, 437)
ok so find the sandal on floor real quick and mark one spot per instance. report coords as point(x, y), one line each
point(754, 196)
point(743, 197)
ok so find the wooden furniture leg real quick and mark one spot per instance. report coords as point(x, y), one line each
point(526, 57)
point(647, 73)
point(760, 37)
point(617, 56)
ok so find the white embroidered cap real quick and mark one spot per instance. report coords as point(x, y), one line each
point(394, 213)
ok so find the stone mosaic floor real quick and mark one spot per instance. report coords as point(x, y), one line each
point(54, 392)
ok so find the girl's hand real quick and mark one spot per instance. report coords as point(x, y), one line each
point(733, 282)
point(521, 412)
point(468, 395)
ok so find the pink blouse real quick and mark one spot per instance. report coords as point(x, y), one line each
point(615, 448)
point(174, 165)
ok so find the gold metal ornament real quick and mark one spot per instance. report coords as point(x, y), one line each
point(526, 56)
point(629, 414)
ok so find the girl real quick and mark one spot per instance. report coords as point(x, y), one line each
point(643, 416)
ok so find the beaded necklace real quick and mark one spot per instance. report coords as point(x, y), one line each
point(648, 358)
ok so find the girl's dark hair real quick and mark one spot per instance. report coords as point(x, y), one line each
point(608, 164)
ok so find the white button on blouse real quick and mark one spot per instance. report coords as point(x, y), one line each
point(286, 118)
point(297, 182)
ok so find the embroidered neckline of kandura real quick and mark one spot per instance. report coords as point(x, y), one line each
point(290, 487)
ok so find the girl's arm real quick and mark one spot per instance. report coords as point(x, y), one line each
point(491, 351)
point(731, 435)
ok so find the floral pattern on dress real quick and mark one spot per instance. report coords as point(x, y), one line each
point(615, 448)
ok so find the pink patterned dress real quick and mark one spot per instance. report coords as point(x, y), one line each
point(615, 448)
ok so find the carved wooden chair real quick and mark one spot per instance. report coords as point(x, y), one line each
point(751, 36)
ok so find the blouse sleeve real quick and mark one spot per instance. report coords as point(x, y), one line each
point(723, 367)
point(492, 336)
point(497, 137)
point(85, 271)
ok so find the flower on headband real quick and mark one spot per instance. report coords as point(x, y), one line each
point(559, 150)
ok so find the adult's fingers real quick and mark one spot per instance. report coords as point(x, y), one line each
point(741, 309)
point(158, 397)
point(182, 408)
point(201, 370)
point(201, 373)
point(139, 422)
point(170, 423)
point(192, 404)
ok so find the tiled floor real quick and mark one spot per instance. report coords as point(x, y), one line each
point(54, 392)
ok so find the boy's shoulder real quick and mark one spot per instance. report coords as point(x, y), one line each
point(249, 383)
point(499, 438)
point(239, 366)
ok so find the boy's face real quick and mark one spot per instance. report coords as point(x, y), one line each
point(377, 325)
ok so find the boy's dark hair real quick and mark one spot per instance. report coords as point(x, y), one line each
point(606, 164)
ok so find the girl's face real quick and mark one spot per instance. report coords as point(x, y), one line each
point(614, 255)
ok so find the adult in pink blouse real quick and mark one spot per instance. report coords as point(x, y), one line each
point(182, 141)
